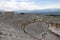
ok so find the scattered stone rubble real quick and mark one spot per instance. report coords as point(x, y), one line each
point(55, 28)
point(26, 27)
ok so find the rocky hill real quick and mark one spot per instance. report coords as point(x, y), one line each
point(20, 26)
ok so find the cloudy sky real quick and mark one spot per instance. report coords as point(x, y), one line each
point(11, 5)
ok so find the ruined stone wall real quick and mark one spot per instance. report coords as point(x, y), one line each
point(9, 13)
point(55, 28)
point(57, 25)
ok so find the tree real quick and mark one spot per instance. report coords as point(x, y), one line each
point(22, 13)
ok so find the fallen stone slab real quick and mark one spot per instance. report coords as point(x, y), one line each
point(55, 30)
point(50, 36)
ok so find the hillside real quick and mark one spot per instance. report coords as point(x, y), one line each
point(25, 26)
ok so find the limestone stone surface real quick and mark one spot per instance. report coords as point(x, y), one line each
point(36, 29)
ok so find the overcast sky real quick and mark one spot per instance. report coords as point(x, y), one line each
point(11, 5)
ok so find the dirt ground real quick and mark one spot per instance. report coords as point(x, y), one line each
point(11, 27)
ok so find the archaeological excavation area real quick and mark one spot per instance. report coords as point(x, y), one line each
point(26, 27)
